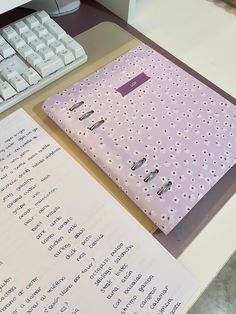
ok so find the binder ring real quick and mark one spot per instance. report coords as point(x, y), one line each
point(86, 115)
point(138, 163)
point(96, 125)
point(164, 188)
point(151, 175)
point(78, 104)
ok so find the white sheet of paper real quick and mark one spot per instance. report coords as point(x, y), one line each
point(66, 246)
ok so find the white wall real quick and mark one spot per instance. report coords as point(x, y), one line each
point(123, 8)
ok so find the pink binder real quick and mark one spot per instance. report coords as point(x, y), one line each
point(162, 135)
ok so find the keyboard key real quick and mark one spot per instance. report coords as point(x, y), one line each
point(8, 32)
point(8, 73)
point(20, 27)
point(6, 50)
point(34, 59)
point(37, 44)
point(67, 56)
point(42, 17)
point(57, 46)
point(48, 39)
point(6, 90)
point(2, 40)
point(25, 51)
point(31, 76)
point(48, 67)
point(66, 39)
point(40, 30)
point(46, 53)
point(18, 83)
point(29, 36)
point(17, 42)
point(55, 29)
point(31, 21)
point(73, 45)
point(76, 48)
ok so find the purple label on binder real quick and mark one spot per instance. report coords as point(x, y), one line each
point(132, 84)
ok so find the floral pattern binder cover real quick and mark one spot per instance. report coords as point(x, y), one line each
point(162, 135)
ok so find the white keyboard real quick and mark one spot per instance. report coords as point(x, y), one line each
point(34, 51)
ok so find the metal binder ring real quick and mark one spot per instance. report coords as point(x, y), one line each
point(151, 175)
point(138, 164)
point(86, 115)
point(164, 188)
point(78, 104)
point(96, 125)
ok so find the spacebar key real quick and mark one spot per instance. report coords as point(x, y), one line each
point(47, 67)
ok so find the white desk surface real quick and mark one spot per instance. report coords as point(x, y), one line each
point(201, 34)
